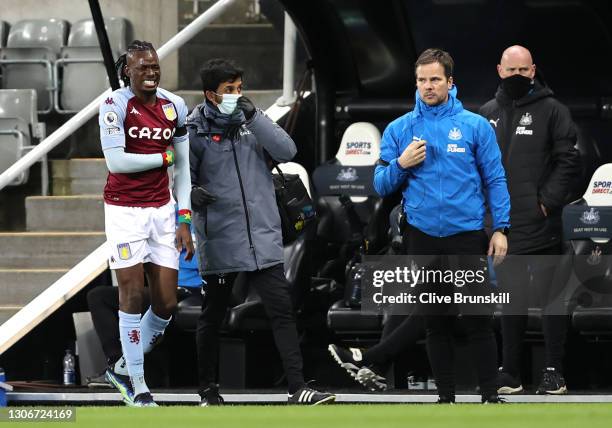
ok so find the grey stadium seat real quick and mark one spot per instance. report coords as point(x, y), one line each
point(19, 128)
point(80, 72)
point(27, 60)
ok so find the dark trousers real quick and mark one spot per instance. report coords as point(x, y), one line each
point(546, 283)
point(440, 318)
point(273, 289)
point(399, 334)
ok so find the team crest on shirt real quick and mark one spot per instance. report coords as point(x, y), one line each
point(169, 111)
point(124, 251)
point(526, 120)
point(455, 134)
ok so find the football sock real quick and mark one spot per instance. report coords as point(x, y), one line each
point(152, 328)
point(129, 332)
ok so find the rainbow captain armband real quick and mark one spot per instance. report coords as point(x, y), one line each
point(184, 216)
point(168, 158)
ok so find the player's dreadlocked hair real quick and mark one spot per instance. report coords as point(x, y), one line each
point(135, 46)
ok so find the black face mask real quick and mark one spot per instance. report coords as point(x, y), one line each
point(516, 86)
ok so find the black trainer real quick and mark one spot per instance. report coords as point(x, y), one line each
point(310, 396)
point(492, 399)
point(552, 382)
point(349, 359)
point(210, 396)
point(446, 399)
point(508, 384)
point(371, 380)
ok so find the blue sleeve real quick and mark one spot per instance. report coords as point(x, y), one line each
point(111, 119)
point(493, 175)
point(118, 161)
point(390, 176)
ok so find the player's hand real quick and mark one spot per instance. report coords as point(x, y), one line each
point(413, 155)
point(200, 197)
point(498, 247)
point(247, 107)
point(184, 240)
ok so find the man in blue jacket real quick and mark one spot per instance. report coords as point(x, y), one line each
point(447, 164)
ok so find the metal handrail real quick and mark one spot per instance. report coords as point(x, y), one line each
point(90, 110)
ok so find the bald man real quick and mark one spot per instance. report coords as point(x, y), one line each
point(536, 136)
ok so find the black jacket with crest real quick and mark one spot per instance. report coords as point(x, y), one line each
point(537, 138)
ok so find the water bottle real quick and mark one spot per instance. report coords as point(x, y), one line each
point(69, 368)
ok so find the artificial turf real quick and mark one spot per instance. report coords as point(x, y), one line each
point(551, 415)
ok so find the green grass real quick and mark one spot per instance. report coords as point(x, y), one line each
point(353, 416)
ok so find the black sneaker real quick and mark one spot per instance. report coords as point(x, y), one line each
point(508, 384)
point(492, 399)
point(552, 382)
point(310, 396)
point(144, 399)
point(371, 380)
point(349, 359)
point(446, 399)
point(210, 396)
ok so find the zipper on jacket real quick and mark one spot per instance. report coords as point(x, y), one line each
point(439, 160)
point(244, 204)
point(510, 114)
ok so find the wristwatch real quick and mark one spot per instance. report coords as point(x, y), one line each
point(504, 230)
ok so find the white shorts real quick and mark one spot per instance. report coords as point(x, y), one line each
point(141, 235)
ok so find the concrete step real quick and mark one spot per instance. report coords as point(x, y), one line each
point(8, 311)
point(20, 286)
point(78, 176)
point(69, 213)
point(262, 98)
point(46, 249)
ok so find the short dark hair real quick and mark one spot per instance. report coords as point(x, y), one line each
point(135, 46)
point(217, 71)
point(432, 55)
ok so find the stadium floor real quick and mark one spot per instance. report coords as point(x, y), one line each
point(103, 396)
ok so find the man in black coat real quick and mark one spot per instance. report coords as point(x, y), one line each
point(537, 139)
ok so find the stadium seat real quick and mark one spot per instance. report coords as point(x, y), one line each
point(345, 224)
point(19, 128)
point(592, 262)
point(82, 57)
point(27, 60)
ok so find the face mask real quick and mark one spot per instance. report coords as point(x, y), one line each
point(228, 105)
point(516, 86)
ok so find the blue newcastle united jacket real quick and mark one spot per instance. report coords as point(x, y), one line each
point(462, 173)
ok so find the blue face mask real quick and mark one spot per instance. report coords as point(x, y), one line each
point(228, 105)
